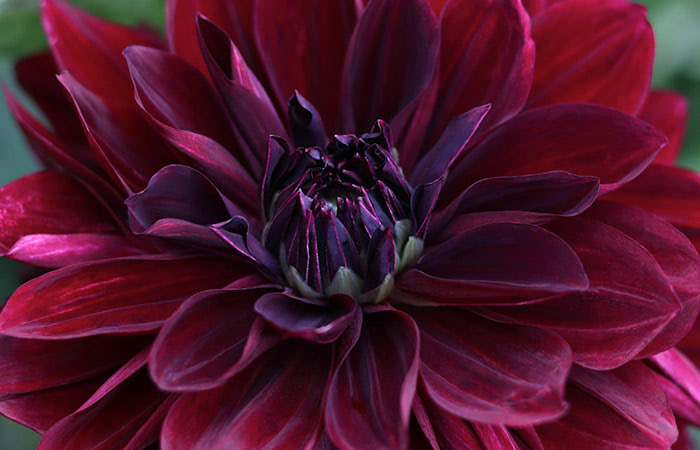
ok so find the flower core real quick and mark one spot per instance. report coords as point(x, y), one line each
point(340, 216)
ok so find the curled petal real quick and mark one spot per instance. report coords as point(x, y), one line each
point(667, 111)
point(209, 339)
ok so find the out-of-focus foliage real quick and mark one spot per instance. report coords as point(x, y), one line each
point(676, 22)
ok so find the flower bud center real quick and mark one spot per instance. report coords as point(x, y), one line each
point(340, 217)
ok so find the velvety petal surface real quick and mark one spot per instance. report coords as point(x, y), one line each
point(593, 51)
point(49, 203)
point(489, 372)
point(390, 61)
point(128, 295)
point(607, 411)
point(302, 45)
point(210, 338)
point(624, 308)
point(369, 397)
point(600, 142)
point(497, 263)
point(486, 56)
point(275, 404)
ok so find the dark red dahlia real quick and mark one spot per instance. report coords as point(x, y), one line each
point(321, 224)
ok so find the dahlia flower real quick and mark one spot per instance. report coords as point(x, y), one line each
point(320, 224)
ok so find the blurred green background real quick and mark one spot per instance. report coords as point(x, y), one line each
point(676, 23)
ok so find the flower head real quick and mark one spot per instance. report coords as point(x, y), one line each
point(317, 223)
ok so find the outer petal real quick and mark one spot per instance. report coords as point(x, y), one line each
point(495, 373)
point(486, 56)
point(498, 263)
point(599, 142)
point(129, 295)
point(209, 339)
point(607, 411)
point(90, 48)
point(684, 377)
point(111, 422)
point(669, 112)
point(390, 61)
point(59, 250)
point(37, 77)
point(176, 94)
point(30, 365)
point(303, 45)
point(625, 307)
point(49, 203)
point(675, 255)
point(274, 404)
point(593, 51)
point(670, 192)
point(128, 149)
point(369, 398)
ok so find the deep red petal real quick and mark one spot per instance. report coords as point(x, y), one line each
point(59, 250)
point(49, 203)
point(670, 192)
point(486, 56)
point(625, 307)
point(30, 365)
point(303, 46)
point(667, 111)
point(672, 251)
point(593, 51)
point(495, 373)
point(599, 142)
point(111, 422)
point(607, 411)
point(209, 339)
point(369, 398)
point(127, 147)
point(276, 403)
point(128, 295)
point(90, 48)
point(390, 61)
point(497, 263)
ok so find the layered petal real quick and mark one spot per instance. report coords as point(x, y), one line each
point(110, 422)
point(600, 142)
point(369, 397)
point(498, 263)
point(390, 61)
point(486, 56)
point(593, 51)
point(607, 411)
point(626, 306)
point(494, 373)
point(127, 295)
point(276, 403)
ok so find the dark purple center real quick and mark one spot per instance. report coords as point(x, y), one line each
point(340, 216)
